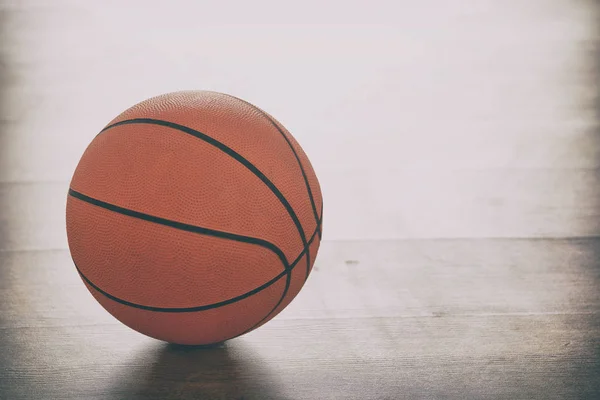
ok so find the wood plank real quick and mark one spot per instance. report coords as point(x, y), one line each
point(502, 319)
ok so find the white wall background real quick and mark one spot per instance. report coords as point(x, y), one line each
point(453, 118)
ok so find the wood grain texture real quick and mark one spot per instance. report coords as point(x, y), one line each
point(476, 122)
point(452, 319)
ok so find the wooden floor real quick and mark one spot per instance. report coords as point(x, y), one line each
point(459, 154)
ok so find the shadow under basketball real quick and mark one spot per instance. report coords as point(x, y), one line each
point(223, 371)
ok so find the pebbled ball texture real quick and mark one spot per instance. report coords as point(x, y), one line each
point(194, 217)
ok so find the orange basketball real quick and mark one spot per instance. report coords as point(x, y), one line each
point(194, 217)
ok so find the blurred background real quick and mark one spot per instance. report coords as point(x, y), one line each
point(422, 119)
point(457, 143)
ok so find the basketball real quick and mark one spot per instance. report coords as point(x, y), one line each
point(194, 217)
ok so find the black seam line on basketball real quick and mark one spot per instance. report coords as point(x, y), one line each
point(111, 207)
point(198, 308)
point(182, 226)
point(232, 153)
point(288, 280)
point(266, 317)
point(317, 229)
point(302, 170)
